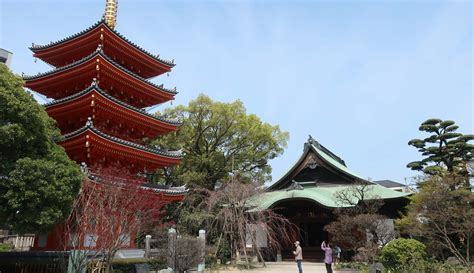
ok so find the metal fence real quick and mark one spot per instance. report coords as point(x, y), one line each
point(33, 262)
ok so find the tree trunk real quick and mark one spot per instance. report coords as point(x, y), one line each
point(468, 246)
point(257, 249)
point(108, 264)
point(242, 239)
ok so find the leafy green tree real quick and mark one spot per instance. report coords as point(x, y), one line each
point(218, 139)
point(442, 212)
point(38, 182)
point(444, 149)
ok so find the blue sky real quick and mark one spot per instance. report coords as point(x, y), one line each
point(358, 76)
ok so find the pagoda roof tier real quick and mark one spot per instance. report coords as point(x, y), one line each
point(81, 44)
point(96, 148)
point(115, 79)
point(118, 118)
point(166, 189)
point(152, 188)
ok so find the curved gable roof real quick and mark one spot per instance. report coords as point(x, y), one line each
point(335, 163)
point(328, 159)
point(325, 196)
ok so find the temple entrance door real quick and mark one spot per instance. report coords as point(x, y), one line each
point(312, 234)
point(310, 218)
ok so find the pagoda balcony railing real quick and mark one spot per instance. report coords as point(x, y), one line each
point(143, 181)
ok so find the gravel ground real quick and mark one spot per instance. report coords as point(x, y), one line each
point(282, 267)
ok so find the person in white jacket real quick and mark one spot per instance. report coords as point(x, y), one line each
point(298, 256)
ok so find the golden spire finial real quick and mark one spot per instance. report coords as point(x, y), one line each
point(110, 14)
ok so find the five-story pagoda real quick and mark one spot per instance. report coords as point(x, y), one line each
point(100, 86)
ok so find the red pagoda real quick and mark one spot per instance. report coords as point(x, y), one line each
point(100, 86)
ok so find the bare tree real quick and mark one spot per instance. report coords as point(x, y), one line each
point(358, 224)
point(184, 252)
point(75, 233)
point(107, 215)
point(359, 199)
point(236, 218)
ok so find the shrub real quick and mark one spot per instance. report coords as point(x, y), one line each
point(224, 252)
point(433, 266)
point(128, 265)
point(352, 265)
point(6, 247)
point(402, 253)
point(158, 263)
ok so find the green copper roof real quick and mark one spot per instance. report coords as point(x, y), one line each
point(324, 195)
point(336, 163)
point(324, 156)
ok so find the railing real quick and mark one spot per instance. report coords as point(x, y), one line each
point(19, 242)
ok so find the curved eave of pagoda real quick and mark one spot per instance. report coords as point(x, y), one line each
point(89, 138)
point(168, 192)
point(96, 61)
point(79, 41)
point(93, 97)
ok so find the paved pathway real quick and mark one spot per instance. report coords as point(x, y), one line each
point(283, 267)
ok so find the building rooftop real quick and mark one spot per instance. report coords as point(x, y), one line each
point(389, 184)
point(5, 56)
point(323, 195)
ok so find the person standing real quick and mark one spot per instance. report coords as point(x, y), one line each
point(337, 252)
point(298, 256)
point(327, 256)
